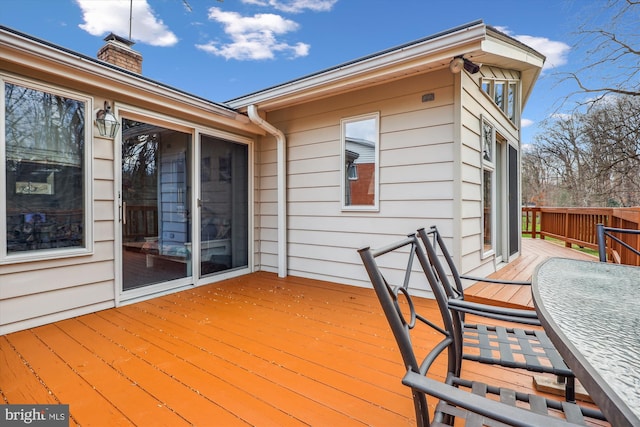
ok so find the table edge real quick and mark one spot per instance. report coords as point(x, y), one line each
point(617, 411)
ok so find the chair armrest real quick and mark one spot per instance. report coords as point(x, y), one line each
point(527, 317)
point(489, 408)
point(499, 281)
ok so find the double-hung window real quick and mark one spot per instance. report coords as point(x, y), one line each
point(44, 161)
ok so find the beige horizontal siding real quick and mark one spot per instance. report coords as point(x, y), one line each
point(416, 175)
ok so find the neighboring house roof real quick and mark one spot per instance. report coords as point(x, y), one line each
point(476, 41)
point(365, 149)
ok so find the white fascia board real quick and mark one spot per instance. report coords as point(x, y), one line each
point(407, 59)
point(30, 53)
point(525, 59)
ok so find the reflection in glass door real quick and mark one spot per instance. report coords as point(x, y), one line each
point(223, 205)
point(155, 198)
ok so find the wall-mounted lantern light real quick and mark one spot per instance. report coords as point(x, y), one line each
point(107, 123)
point(458, 63)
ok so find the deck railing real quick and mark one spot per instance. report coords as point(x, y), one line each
point(577, 226)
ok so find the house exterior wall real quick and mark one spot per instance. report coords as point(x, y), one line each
point(475, 105)
point(39, 291)
point(417, 176)
point(430, 173)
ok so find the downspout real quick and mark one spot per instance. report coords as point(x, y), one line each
point(281, 183)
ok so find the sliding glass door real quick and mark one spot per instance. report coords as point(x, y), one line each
point(224, 208)
point(159, 208)
point(155, 202)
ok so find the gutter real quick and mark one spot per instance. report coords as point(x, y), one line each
point(252, 111)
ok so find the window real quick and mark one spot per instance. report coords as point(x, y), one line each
point(487, 142)
point(360, 149)
point(511, 101)
point(505, 95)
point(487, 220)
point(44, 163)
point(498, 94)
point(488, 170)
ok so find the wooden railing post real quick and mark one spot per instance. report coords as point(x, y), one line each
point(531, 220)
point(567, 229)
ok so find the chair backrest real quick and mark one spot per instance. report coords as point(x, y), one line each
point(436, 251)
point(624, 247)
point(443, 274)
point(403, 314)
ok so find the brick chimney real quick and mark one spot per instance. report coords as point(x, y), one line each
point(117, 51)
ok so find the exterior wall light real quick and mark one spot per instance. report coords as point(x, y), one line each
point(107, 123)
point(458, 63)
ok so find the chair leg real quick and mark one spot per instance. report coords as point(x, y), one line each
point(570, 389)
point(422, 410)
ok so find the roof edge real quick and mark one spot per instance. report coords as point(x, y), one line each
point(507, 38)
point(123, 72)
point(347, 64)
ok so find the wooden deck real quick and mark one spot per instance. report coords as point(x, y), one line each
point(534, 251)
point(255, 350)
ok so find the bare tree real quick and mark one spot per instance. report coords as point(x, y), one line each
point(612, 129)
point(561, 149)
point(587, 159)
point(613, 55)
point(591, 157)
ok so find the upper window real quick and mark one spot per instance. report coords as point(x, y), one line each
point(504, 94)
point(45, 168)
point(360, 149)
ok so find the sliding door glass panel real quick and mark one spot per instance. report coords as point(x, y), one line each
point(156, 225)
point(224, 207)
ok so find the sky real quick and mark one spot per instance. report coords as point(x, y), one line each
point(223, 49)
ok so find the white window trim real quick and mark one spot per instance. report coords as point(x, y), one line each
point(56, 253)
point(343, 172)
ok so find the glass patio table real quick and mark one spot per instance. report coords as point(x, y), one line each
point(591, 312)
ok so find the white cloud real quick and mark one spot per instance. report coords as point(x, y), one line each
point(104, 16)
point(295, 6)
point(526, 123)
point(253, 37)
point(555, 51)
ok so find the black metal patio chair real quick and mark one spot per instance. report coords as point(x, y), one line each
point(617, 238)
point(509, 346)
point(474, 403)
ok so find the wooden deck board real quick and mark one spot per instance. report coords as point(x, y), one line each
point(254, 350)
point(534, 252)
point(17, 381)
